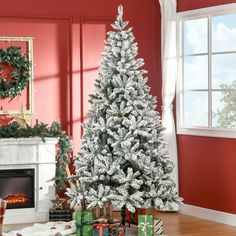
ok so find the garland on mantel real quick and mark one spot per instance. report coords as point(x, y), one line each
point(42, 130)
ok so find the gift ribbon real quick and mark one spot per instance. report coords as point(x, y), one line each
point(100, 228)
point(145, 225)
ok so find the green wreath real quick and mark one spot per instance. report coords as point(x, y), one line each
point(20, 74)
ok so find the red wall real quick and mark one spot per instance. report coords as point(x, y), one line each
point(207, 165)
point(68, 41)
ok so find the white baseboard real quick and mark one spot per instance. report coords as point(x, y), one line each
point(208, 214)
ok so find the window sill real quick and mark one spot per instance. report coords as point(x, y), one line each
point(207, 132)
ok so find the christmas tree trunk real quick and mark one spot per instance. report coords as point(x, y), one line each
point(123, 214)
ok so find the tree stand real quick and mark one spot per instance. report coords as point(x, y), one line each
point(123, 214)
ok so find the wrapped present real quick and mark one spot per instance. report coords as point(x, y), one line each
point(101, 229)
point(117, 231)
point(84, 221)
point(158, 227)
point(105, 212)
point(145, 225)
point(3, 205)
point(132, 218)
point(60, 215)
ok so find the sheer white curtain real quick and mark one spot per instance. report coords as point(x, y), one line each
point(169, 73)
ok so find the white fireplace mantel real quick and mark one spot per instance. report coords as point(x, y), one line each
point(23, 153)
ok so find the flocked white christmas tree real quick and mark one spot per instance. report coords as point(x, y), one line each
point(123, 157)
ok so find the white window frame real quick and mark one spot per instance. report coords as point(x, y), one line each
point(190, 15)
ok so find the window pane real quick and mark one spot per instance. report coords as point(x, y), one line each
point(224, 33)
point(196, 72)
point(224, 109)
point(195, 109)
point(223, 70)
point(195, 36)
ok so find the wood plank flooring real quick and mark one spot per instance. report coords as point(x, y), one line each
point(176, 224)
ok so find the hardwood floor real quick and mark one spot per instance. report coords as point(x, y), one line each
point(176, 224)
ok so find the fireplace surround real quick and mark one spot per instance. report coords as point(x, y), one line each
point(31, 162)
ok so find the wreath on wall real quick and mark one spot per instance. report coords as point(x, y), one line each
point(12, 84)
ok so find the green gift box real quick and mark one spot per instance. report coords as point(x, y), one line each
point(84, 221)
point(145, 225)
point(85, 230)
point(101, 229)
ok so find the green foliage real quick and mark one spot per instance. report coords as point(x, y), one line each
point(14, 130)
point(20, 73)
point(227, 115)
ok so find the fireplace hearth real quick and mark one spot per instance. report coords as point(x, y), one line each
point(17, 188)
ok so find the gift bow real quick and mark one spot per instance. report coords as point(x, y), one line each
point(145, 225)
point(100, 226)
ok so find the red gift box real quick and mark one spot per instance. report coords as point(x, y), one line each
point(117, 231)
point(132, 218)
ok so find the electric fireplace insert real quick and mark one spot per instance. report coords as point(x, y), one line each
point(17, 188)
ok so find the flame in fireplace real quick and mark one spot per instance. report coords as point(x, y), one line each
point(17, 199)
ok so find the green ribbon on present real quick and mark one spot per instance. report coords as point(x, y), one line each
point(145, 225)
